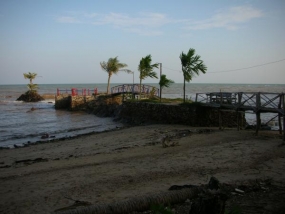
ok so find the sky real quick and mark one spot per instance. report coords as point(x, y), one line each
point(64, 41)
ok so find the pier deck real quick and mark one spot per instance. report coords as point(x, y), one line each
point(257, 102)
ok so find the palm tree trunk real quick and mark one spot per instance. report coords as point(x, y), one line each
point(108, 86)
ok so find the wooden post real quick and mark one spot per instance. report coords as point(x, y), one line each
point(257, 112)
point(283, 101)
point(279, 114)
point(237, 108)
point(160, 80)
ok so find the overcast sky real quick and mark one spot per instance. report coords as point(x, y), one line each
point(64, 41)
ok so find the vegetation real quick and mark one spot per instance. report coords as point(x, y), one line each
point(192, 65)
point(156, 100)
point(146, 69)
point(161, 209)
point(31, 95)
point(113, 66)
point(31, 76)
point(164, 82)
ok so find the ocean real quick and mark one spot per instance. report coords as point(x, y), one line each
point(19, 125)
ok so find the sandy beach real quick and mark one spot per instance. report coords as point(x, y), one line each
point(129, 162)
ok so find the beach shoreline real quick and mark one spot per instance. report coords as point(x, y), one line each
point(117, 165)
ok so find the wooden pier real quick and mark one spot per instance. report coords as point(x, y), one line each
point(257, 102)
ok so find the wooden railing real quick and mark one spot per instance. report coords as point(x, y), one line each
point(135, 89)
point(255, 101)
point(76, 92)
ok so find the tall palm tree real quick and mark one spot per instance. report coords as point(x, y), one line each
point(192, 65)
point(30, 76)
point(146, 69)
point(113, 66)
point(164, 82)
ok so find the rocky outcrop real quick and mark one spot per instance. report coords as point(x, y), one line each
point(30, 96)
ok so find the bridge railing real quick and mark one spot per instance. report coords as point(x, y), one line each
point(252, 100)
point(135, 89)
point(76, 92)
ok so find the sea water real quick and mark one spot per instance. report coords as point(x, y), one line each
point(19, 125)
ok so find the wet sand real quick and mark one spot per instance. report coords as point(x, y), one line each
point(125, 163)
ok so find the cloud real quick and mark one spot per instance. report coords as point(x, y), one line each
point(229, 19)
point(90, 15)
point(67, 19)
point(144, 19)
point(149, 24)
point(143, 24)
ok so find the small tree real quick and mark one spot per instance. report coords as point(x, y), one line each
point(113, 66)
point(146, 69)
point(164, 83)
point(32, 87)
point(30, 76)
point(192, 65)
point(31, 95)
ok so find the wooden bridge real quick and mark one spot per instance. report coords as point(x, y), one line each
point(258, 102)
point(135, 89)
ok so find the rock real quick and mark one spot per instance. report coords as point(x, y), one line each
point(214, 183)
point(179, 187)
point(45, 136)
point(30, 96)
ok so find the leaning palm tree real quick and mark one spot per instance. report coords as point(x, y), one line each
point(192, 65)
point(146, 69)
point(30, 76)
point(113, 66)
point(164, 83)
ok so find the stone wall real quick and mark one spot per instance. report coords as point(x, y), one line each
point(80, 102)
point(105, 106)
point(143, 112)
point(193, 115)
point(62, 101)
point(73, 103)
point(95, 104)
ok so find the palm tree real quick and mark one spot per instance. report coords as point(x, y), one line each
point(32, 87)
point(113, 66)
point(192, 65)
point(146, 69)
point(30, 76)
point(164, 82)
